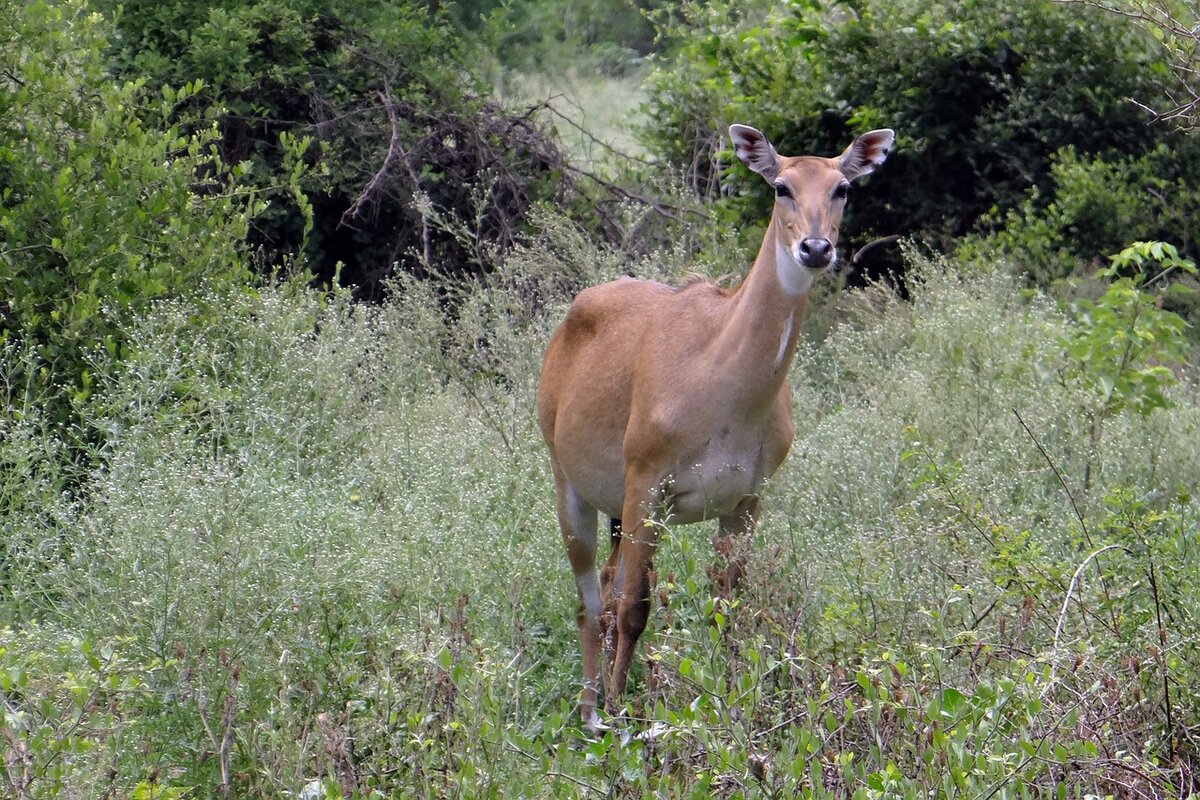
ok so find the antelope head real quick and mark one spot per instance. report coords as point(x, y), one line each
point(810, 196)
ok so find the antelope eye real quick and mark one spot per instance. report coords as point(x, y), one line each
point(781, 190)
point(841, 191)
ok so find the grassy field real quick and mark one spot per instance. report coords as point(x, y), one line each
point(317, 557)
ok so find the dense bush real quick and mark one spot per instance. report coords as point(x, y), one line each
point(1095, 207)
point(1176, 28)
point(981, 96)
point(401, 128)
point(109, 201)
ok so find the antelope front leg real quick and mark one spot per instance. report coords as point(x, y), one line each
point(630, 599)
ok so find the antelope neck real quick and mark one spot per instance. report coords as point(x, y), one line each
point(760, 334)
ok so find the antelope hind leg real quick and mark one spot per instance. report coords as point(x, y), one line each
point(577, 520)
point(732, 539)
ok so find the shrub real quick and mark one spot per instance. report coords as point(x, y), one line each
point(107, 203)
point(320, 555)
point(980, 96)
point(1177, 32)
point(1091, 207)
point(955, 449)
point(400, 127)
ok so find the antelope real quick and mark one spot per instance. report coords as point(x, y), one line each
point(669, 403)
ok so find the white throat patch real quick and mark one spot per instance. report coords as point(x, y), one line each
point(794, 277)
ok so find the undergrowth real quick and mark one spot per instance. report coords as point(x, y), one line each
point(318, 558)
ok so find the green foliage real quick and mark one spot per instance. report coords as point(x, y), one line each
point(1125, 344)
point(975, 537)
point(1176, 28)
point(980, 95)
point(39, 456)
point(292, 415)
point(252, 54)
point(55, 695)
point(1090, 207)
point(389, 95)
point(108, 204)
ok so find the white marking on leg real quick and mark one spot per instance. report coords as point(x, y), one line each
point(589, 591)
point(582, 520)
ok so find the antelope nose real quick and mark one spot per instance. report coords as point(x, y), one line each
point(816, 252)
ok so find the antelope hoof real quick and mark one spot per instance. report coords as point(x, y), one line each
point(593, 726)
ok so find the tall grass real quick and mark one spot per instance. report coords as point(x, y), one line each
point(317, 554)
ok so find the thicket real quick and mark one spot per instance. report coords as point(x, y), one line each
point(1176, 28)
point(1016, 120)
point(401, 128)
point(111, 196)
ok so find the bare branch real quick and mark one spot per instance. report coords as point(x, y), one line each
point(585, 133)
point(866, 248)
point(395, 150)
point(1180, 40)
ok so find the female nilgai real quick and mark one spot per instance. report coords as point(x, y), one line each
point(670, 403)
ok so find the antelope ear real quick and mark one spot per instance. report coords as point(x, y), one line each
point(754, 150)
point(866, 153)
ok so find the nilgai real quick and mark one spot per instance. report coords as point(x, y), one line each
point(669, 403)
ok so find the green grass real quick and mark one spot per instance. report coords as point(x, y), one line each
point(318, 544)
